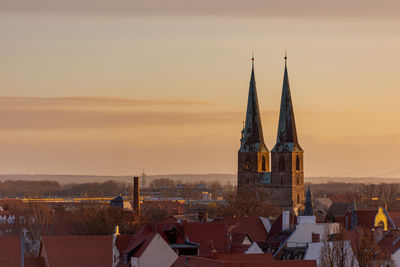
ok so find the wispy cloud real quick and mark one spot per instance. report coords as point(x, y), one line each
point(104, 112)
point(253, 8)
point(20, 113)
point(76, 102)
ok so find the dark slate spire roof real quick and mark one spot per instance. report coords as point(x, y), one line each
point(252, 135)
point(287, 135)
point(308, 211)
point(354, 220)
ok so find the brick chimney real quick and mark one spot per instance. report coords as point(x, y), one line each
point(315, 238)
point(136, 195)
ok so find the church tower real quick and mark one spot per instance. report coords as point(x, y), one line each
point(287, 155)
point(253, 155)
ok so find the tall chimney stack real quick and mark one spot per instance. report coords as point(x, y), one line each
point(136, 195)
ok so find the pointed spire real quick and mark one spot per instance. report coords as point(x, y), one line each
point(287, 134)
point(309, 210)
point(354, 220)
point(253, 138)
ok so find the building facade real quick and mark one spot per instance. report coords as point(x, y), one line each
point(282, 177)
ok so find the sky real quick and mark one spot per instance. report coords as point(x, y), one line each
point(112, 87)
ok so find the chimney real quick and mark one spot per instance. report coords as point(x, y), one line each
point(315, 238)
point(136, 195)
point(285, 220)
point(202, 214)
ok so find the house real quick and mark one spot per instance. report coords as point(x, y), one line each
point(145, 249)
point(294, 241)
point(211, 236)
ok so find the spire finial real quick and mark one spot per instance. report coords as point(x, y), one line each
point(285, 56)
point(252, 55)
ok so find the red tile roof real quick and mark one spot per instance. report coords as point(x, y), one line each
point(139, 241)
point(293, 263)
point(210, 236)
point(239, 249)
point(252, 226)
point(242, 257)
point(240, 260)
point(277, 225)
point(10, 251)
point(395, 216)
point(34, 262)
point(77, 251)
point(192, 261)
point(167, 226)
point(365, 218)
point(122, 242)
point(390, 243)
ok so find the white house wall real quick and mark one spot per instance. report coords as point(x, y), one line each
point(157, 253)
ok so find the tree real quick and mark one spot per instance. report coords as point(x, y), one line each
point(99, 219)
point(248, 202)
point(337, 253)
point(152, 214)
point(381, 194)
point(162, 183)
point(39, 221)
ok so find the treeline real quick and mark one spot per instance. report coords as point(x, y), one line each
point(369, 195)
point(167, 187)
point(54, 189)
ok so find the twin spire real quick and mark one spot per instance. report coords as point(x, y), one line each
point(252, 135)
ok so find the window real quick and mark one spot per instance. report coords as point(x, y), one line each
point(298, 199)
point(281, 163)
point(263, 163)
point(248, 182)
point(297, 163)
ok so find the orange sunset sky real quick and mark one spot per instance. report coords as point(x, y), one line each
point(111, 87)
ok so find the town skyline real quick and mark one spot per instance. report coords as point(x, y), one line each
point(110, 92)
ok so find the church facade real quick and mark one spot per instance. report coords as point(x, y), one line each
point(278, 173)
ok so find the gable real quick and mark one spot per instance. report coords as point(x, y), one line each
point(246, 240)
point(157, 253)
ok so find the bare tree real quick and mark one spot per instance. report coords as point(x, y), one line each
point(337, 254)
point(249, 202)
point(39, 221)
point(381, 194)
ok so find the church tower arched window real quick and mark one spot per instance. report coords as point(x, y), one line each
point(281, 163)
point(263, 167)
point(298, 199)
point(297, 163)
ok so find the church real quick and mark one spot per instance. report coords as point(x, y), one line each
point(282, 177)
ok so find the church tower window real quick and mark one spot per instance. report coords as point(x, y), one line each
point(263, 163)
point(297, 163)
point(281, 163)
point(298, 199)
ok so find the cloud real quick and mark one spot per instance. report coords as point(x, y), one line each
point(21, 113)
point(103, 112)
point(252, 8)
point(69, 102)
